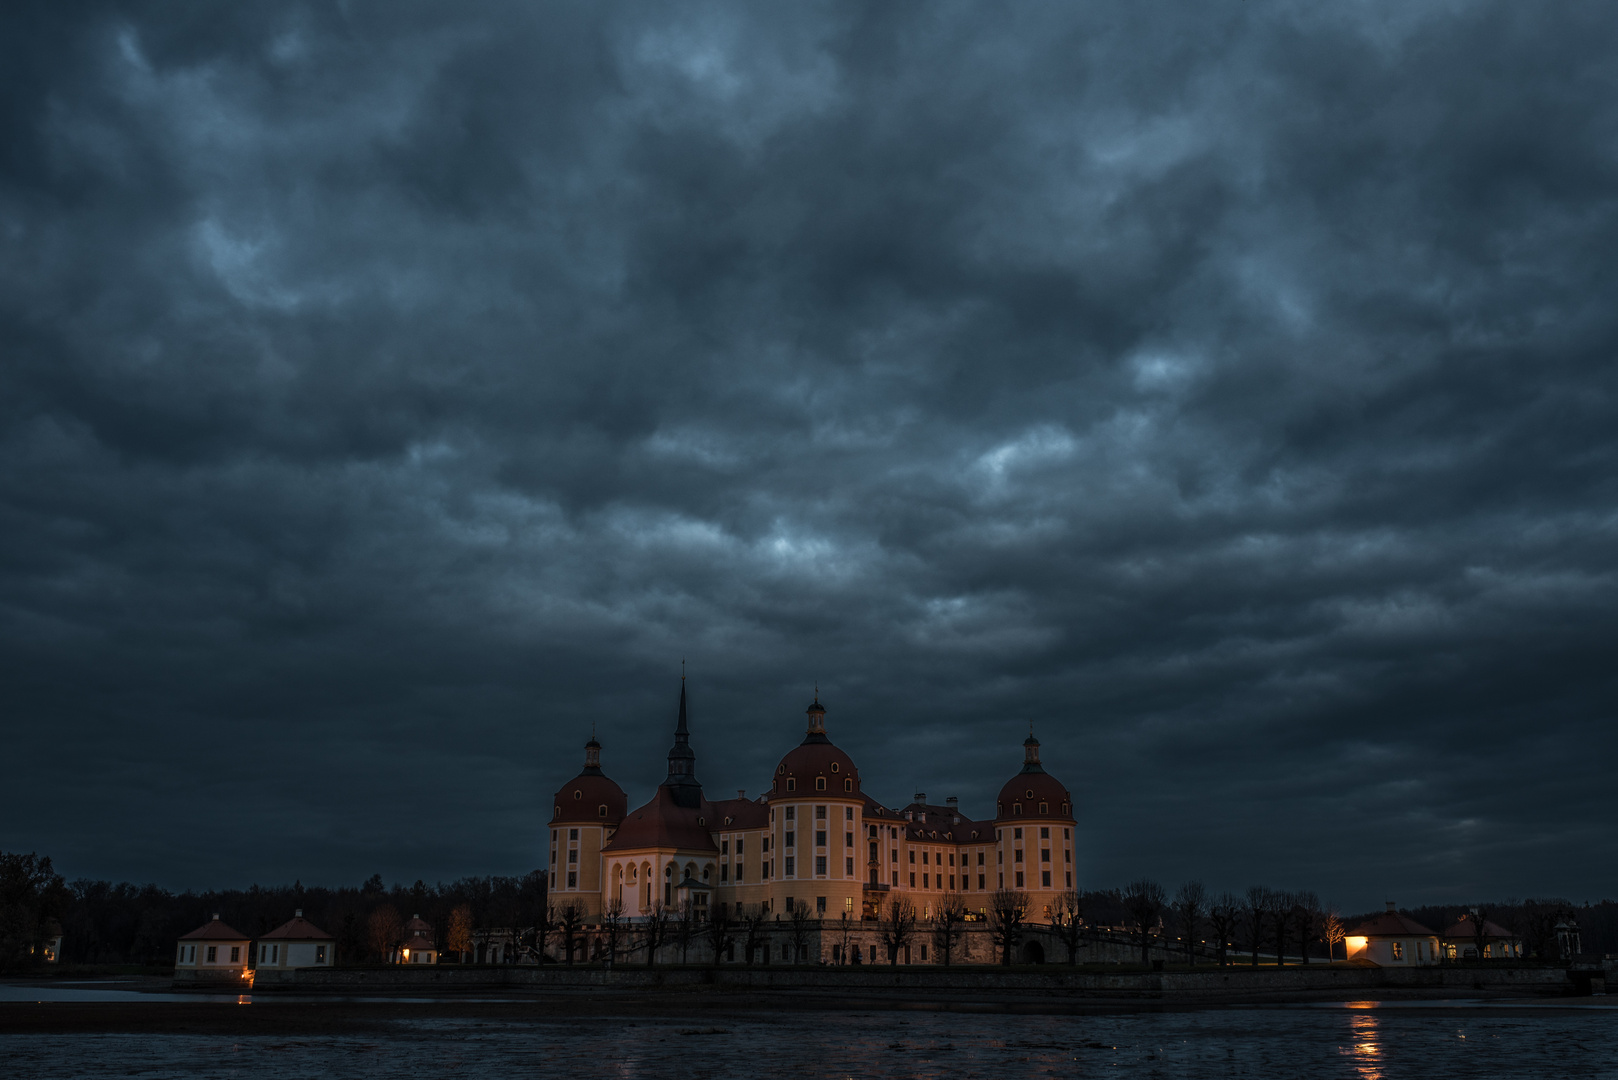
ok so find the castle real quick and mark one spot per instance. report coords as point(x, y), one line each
point(815, 838)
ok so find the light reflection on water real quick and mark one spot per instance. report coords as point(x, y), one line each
point(1355, 1044)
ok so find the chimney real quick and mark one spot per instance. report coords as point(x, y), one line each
point(741, 793)
point(1392, 906)
point(952, 801)
point(297, 913)
point(216, 916)
point(921, 797)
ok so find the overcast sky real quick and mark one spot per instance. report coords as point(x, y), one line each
point(390, 392)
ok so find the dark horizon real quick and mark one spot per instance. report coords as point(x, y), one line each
point(1227, 390)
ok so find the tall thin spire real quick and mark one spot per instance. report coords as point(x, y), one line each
point(682, 779)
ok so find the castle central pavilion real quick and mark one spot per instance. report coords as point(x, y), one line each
point(814, 838)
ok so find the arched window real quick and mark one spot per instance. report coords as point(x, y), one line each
point(1044, 808)
point(848, 785)
point(820, 783)
point(602, 810)
point(1016, 808)
point(792, 784)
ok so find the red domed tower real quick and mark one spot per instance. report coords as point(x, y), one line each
point(1033, 824)
point(586, 812)
point(817, 825)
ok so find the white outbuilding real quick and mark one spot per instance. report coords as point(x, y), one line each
point(214, 952)
point(296, 943)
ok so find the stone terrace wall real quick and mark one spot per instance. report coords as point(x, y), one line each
point(879, 981)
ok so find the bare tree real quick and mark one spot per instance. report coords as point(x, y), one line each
point(896, 926)
point(1188, 905)
point(1480, 930)
point(384, 930)
point(1008, 909)
point(685, 928)
point(460, 931)
point(799, 916)
point(1332, 930)
point(1279, 908)
point(569, 920)
point(845, 927)
point(1144, 900)
point(544, 922)
point(721, 930)
point(754, 920)
point(612, 926)
point(1257, 905)
point(1068, 923)
point(1224, 915)
point(1306, 917)
point(947, 926)
point(654, 931)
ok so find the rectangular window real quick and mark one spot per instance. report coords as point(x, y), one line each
point(724, 871)
point(912, 856)
point(724, 846)
point(820, 864)
point(1019, 879)
point(738, 873)
point(1067, 854)
point(213, 953)
point(739, 845)
point(791, 812)
point(912, 880)
point(1044, 854)
point(820, 838)
point(573, 834)
point(275, 954)
point(924, 880)
point(999, 857)
point(848, 839)
point(848, 813)
point(792, 838)
point(1069, 879)
point(924, 954)
point(1016, 834)
point(766, 846)
point(573, 855)
point(1398, 950)
point(820, 813)
point(894, 855)
point(924, 858)
point(980, 858)
point(320, 954)
point(820, 905)
point(848, 903)
point(235, 954)
point(573, 879)
point(873, 852)
point(896, 878)
point(848, 867)
point(952, 859)
point(1016, 855)
point(1045, 878)
point(980, 882)
point(952, 881)
point(1044, 832)
point(790, 861)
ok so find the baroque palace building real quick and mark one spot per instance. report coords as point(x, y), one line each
point(815, 838)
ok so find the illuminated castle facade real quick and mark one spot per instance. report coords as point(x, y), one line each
point(814, 838)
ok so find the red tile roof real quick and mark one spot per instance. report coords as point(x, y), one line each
point(1391, 924)
point(214, 930)
point(663, 824)
point(742, 814)
point(296, 928)
point(1465, 929)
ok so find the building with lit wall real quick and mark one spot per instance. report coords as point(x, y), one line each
point(815, 837)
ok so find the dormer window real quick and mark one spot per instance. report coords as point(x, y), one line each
point(848, 785)
point(835, 766)
point(1044, 808)
point(602, 810)
point(820, 783)
point(792, 784)
point(1029, 794)
point(1016, 808)
point(578, 794)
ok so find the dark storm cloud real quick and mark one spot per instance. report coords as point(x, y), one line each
point(391, 393)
